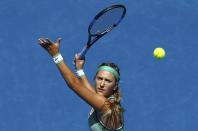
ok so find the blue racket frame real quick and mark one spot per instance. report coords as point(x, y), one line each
point(92, 38)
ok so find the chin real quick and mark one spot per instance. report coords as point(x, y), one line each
point(100, 93)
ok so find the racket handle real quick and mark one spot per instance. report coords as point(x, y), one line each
point(83, 52)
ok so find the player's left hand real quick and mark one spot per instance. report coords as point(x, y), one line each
point(78, 62)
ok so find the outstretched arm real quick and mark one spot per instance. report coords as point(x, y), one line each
point(72, 81)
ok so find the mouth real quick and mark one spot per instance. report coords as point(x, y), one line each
point(100, 90)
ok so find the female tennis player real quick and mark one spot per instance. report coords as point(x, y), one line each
point(106, 113)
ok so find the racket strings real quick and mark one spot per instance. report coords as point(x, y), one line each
point(106, 21)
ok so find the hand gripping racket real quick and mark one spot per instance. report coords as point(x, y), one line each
point(104, 22)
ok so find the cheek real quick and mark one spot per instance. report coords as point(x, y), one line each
point(108, 92)
point(110, 87)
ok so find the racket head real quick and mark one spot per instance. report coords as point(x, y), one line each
point(106, 20)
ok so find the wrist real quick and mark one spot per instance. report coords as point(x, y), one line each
point(55, 54)
point(78, 68)
point(57, 58)
point(80, 72)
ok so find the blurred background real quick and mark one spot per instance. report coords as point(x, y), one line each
point(158, 95)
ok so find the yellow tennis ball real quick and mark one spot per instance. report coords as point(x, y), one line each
point(159, 53)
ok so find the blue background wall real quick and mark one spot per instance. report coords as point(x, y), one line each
point(157, 95)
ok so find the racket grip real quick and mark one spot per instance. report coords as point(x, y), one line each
point(83, 52)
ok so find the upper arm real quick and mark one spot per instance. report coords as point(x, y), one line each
point(92, 98)
point(87, 84)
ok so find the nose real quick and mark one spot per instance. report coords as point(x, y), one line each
point(102, 83)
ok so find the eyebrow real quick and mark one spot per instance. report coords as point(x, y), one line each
point(104, 78)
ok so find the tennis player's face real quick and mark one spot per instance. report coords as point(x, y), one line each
point(105, 83)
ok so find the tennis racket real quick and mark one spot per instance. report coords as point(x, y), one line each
point(104, 22)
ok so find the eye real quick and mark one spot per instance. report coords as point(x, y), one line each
point(108, 81)
point(99, 78)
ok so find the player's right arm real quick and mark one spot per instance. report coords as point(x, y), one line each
point(95, 100)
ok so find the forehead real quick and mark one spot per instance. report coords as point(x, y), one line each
point(105, 74)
